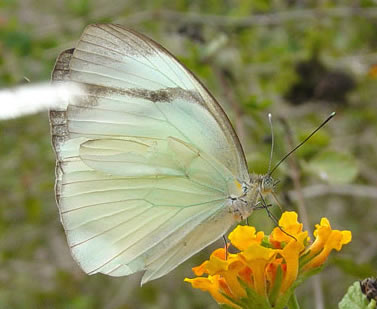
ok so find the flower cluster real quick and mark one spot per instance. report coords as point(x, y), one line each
point(267, 268)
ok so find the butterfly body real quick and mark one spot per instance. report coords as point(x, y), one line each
point(258, 186)
point(149, 169)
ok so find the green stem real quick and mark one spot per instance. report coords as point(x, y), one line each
point(293, 303)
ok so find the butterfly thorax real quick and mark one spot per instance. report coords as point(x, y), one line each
point(243, 205)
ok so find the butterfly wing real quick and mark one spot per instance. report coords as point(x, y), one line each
point(146, 158)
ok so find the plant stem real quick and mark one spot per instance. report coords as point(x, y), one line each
point(293, 303)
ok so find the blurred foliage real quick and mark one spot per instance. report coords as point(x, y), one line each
point(334, 167)
point(299, 60)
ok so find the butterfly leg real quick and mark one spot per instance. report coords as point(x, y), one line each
point(226, 247)
point(272, 217)
point(260, 205)
point(257, 206)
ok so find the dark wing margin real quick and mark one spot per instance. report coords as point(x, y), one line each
point(58, 118)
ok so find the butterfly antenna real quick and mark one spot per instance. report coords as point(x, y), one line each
point(302, 143)
point(272, 143)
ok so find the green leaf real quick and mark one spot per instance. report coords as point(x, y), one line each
point(276, 288)
point(355, 299)
point(255, 102)
point(253, 299)
point(18, 41)
point(293, 303)
point(334, 167)
point(79, 7)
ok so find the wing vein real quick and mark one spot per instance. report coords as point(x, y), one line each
point(122, 251)
point(115, 78)
point(110, 229)
point(99, 204)
point(146, 58)
point(121, 54)
point(104, 217)
point(117, 70)
point(167, 64)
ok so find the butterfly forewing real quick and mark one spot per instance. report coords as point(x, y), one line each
point(146, 158)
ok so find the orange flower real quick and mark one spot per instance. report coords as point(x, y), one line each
point(257, 258)
point(289, 229)
point(373, 71)
point(291, 254)
point(272, 269)
point(326, 240)
point(243, 236)
point(215, 286)
point(229, 270)
point(265, 270)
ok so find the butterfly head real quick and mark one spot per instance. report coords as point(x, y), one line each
point(268, 184)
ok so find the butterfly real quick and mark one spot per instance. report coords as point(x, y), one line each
point(149, 168)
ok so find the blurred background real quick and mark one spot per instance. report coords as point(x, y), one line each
point(298, 59)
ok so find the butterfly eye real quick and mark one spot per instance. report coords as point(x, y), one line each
point(268, 183)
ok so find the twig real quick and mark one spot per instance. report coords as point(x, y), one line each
point(296, 176)
point(171, 16)
point(325, 189)
point(229, 95)
point(368, 173)
point(277, 18)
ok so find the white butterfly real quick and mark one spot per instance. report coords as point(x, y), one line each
point(149, 169)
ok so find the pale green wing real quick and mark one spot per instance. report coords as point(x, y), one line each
point(200, 237)
point(146, 159)
point(133, 202)
point(142, 90)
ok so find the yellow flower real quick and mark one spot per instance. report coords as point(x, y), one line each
point(257, 257)
point(243, 236)
point(373, 71)
point(289, 228)
point(268, 268)
point(291, 254)
point(272, 269)
point(215, 286)
point(228, 269)
point(327, 239)
point(202, 269)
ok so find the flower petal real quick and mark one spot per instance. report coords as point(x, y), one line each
point(288, 227)
point(214, 285)
point(291, 255)
point(257, 258)
point(243, 236)
point(201, 269)
point(335, 240)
